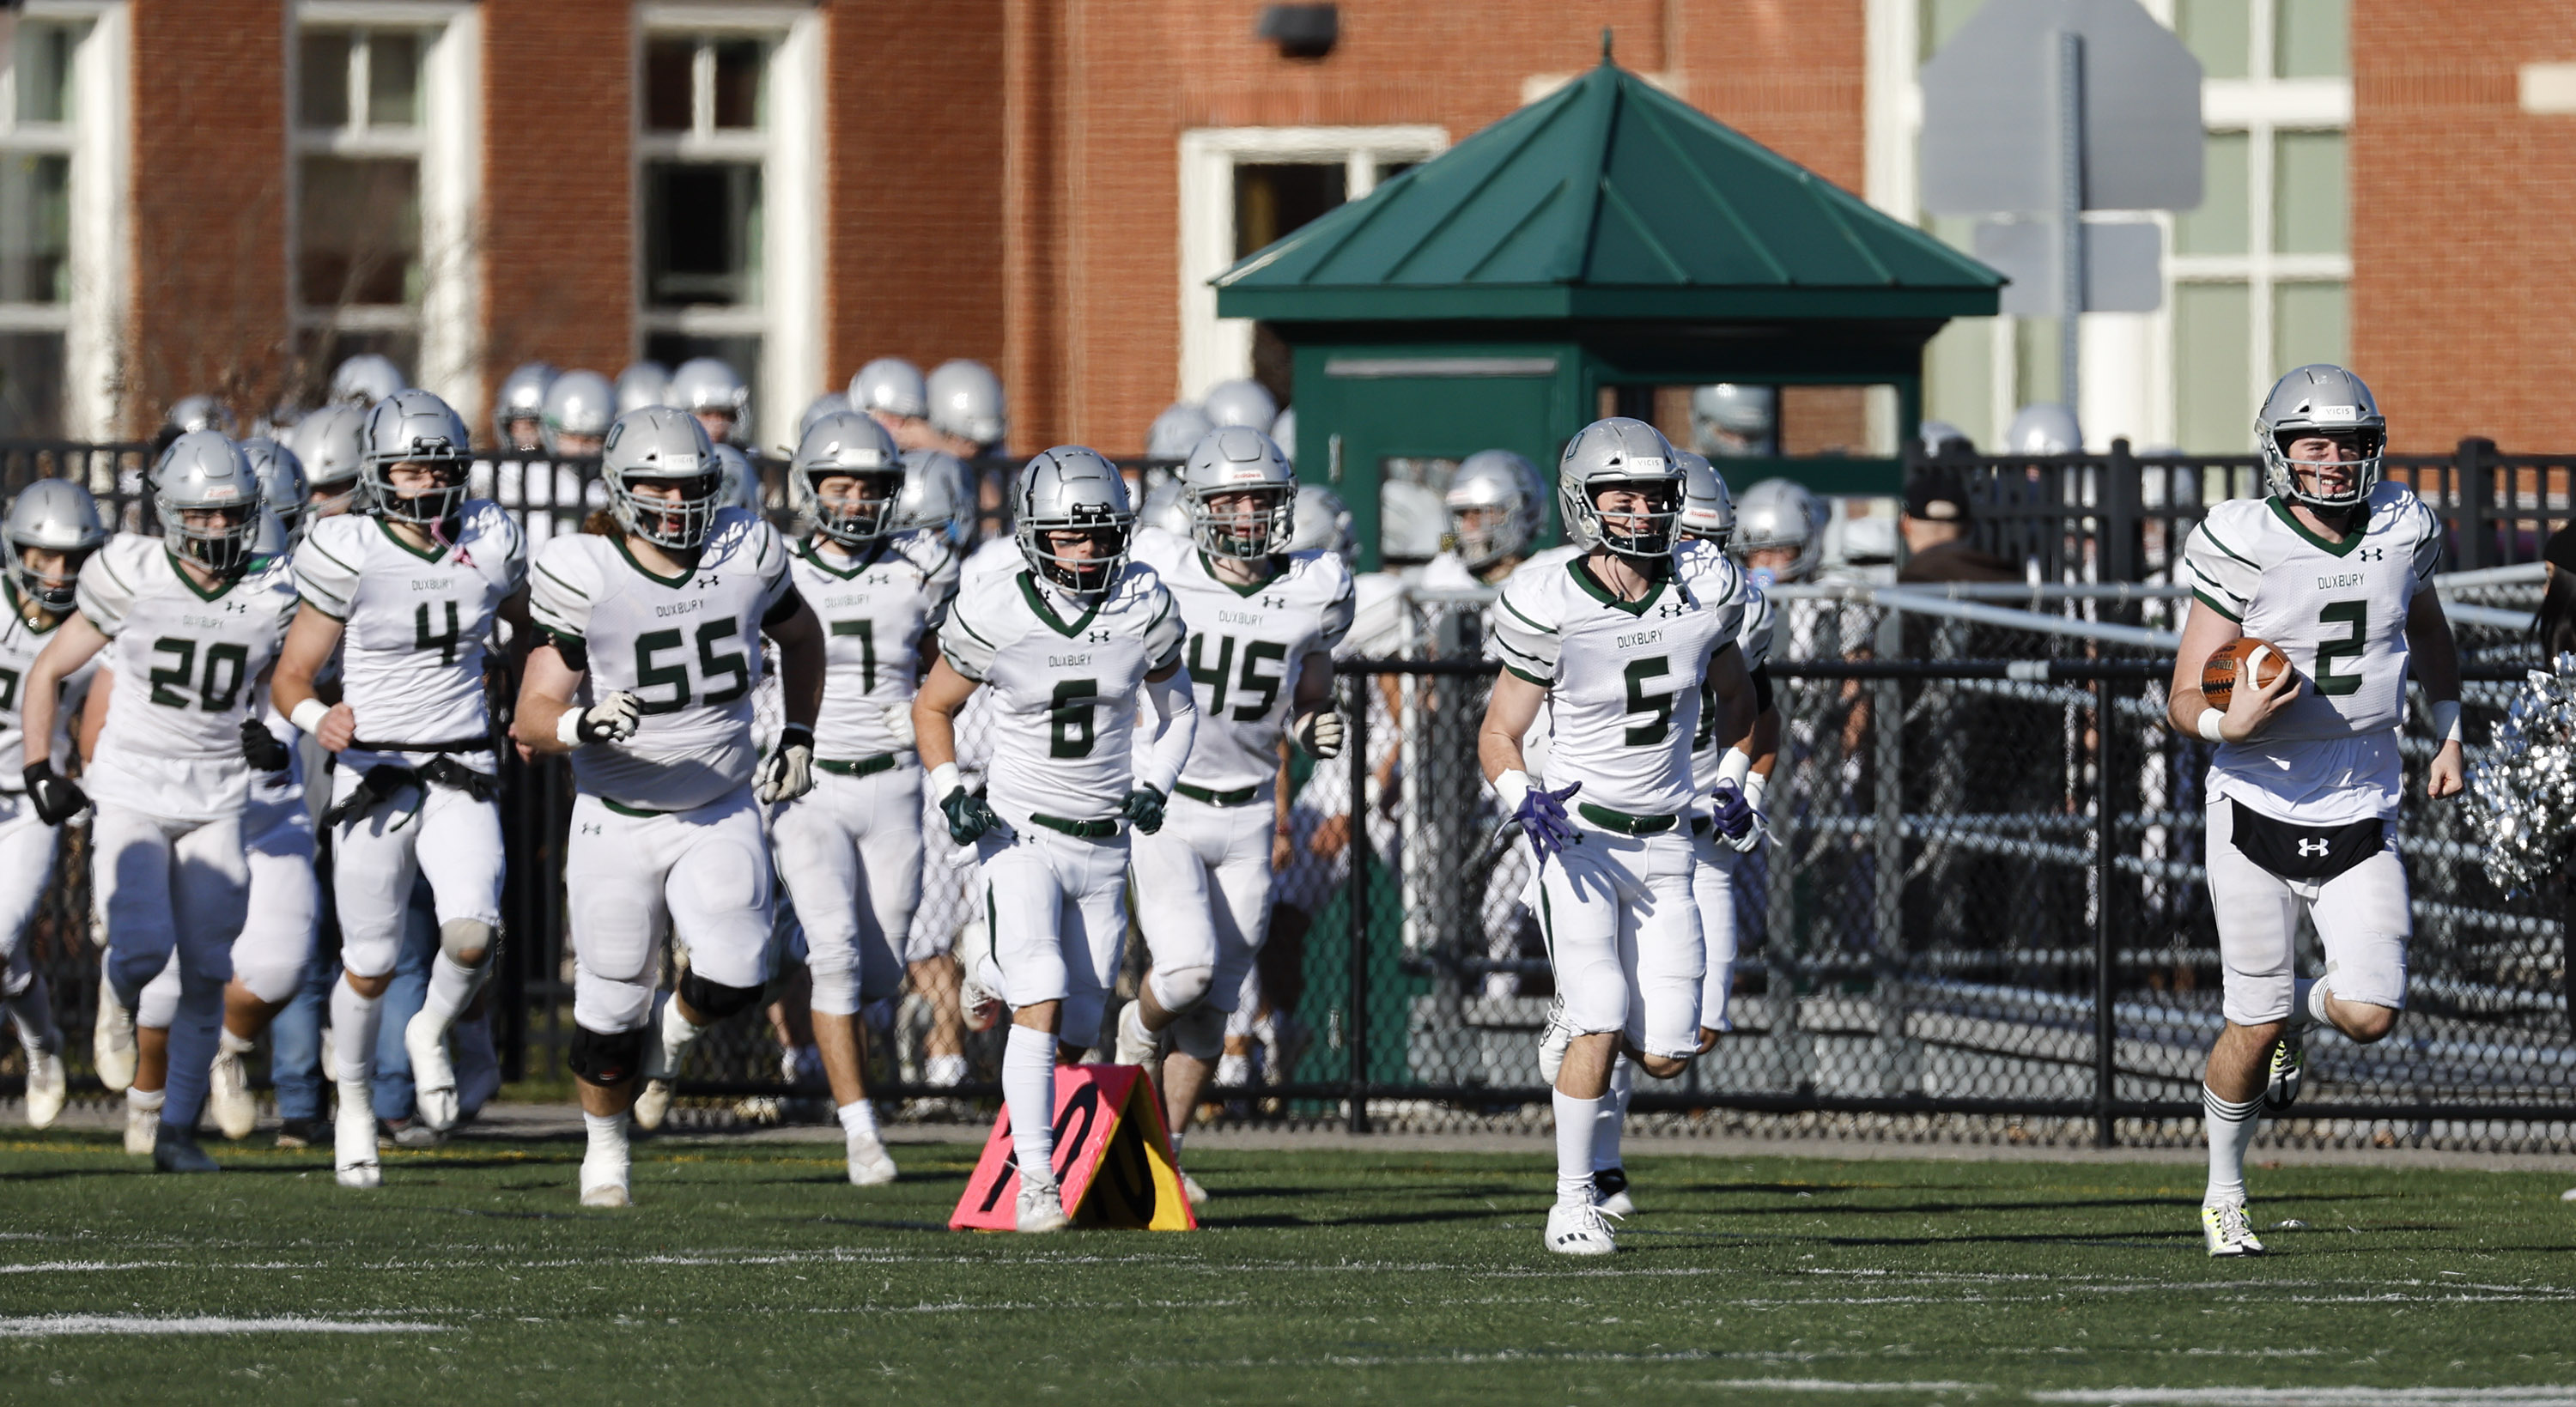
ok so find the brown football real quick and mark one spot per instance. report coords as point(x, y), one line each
point(2219, 674)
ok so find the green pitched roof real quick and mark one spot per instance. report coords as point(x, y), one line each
point(1609, 199)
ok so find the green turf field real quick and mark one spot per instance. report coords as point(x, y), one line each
point(753, 1272)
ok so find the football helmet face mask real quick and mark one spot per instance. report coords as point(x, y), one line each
point(890, 386)
point(519, 407)
point(578, 407)
point(663, 447)
point(365, 379)
point(966, 401)
point(208, 500)
point(1708, 510)
point(2321, 401)
point(846, 478)
point(282, 484)
point(935, 497)
point(1779, 513)
point(1241, 493)
point(1072, 491)
point(1631, 458)
point(331, 442)
point(418, 431)
point(57, 516)
point(1497, 507)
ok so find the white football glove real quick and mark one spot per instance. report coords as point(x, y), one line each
point(611, 720)
point(787, 773)
point(898, 721)
point(1320, 734)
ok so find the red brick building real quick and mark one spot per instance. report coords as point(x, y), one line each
point(229, 194)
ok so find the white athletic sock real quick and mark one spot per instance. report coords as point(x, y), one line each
point(1607, 1124)
point(2313, 1002)
point(2231, 1131)
point(231, 1044)
point(1028, 1091)
point(1574, 1121)
point(147, 1101)
point(355, 1020)
point(677, 1034)
point(451, 985)
point(859, 1117)
point(607, 1140)
point(944, 1070)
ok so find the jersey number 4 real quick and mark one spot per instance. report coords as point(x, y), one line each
point(1252, 681)
point(711, 667)
point(227, 667)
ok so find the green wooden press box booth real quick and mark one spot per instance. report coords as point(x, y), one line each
point(1571, 258)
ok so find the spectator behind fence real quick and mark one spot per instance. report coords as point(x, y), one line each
point(1936, 532)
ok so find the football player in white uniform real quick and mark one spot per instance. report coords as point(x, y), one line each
point(1262, 625)
point(849, 851)
point(406, 593)
point(1616, 644)
point(1497, 507)
point(2331, 568)
point(1067, 645)
point(645, 674)
point(192, 621)
point(52, 528)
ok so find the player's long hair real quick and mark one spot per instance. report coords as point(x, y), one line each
point(2553, 626)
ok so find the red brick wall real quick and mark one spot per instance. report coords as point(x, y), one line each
point(208, 206)
point(557, 236)
point(912, 244)
point(2461, 206)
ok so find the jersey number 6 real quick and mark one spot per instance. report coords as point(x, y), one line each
point(1069, 723)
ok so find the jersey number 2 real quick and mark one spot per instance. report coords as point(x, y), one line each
point(711, 667)
point(2356, 614)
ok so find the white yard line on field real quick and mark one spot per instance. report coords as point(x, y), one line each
point(56, 1325)
point(2318, 1396)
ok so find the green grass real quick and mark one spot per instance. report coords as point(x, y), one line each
point(753, 1272)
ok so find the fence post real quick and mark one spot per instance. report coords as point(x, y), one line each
point(2106, 811)
point(1355, 1021)
point(2473, 472)
point(2120, 504)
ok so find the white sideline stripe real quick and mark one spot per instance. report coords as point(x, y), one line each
point(53, 1325)
point(1830, 1385)
point(51, 1266)
point(2319, 1395)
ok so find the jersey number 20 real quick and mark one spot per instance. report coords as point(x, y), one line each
point(227, 666)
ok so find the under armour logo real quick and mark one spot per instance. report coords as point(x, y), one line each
point(1669, 610)
point(2371, 554)
point(2319, 843)
point(1274, 603)
point(1100, 637)
point(707, 582)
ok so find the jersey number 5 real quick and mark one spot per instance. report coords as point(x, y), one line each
point(2355, 614)
point(1655, 730)
point(711, 667)
point(227, 666)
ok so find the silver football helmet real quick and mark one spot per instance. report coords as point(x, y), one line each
point(1166, 507)
point(1073, 489)
point(662, 445)
point(828, 403)
point(1283, 433)
point(642, 384)
point(1323, 523)
point(706, 386)
point(331, 444)
point(1245, 402)
point(203, 476)
point(1177, 431)
point(190, 414)
point(1497, 507)
point(365, 379)
point(1733, 419)
point(890, 386)
point(1622, 453)
point(966, 401)
point(578, 405)
point(2044, 427)
point(1781, 513)
point(1708, 510)
point(519, 407)
point(2320, 399)
point(847, 445)
point(1234, 462)
point(282, 484)
point(55, 515)
point(936, 496)
point(415, 427)
point(742, 486)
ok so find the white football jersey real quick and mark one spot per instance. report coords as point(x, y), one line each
point(1246, 643)
point(1623, 677)
point(415, 623)
point(687, 645)
point(187, 663)
point(2338, 610)
point(875, 610)
point(1707, 753)
point(1065, 681)
point(20, 643)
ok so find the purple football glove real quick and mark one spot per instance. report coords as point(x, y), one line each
point(1733, 815)
point(1542, 818)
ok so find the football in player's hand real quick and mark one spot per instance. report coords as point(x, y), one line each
point(2226, 665)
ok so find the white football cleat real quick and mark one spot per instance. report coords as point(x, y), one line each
point(1136, 1045)
point(2284, 1071)
point(1610, 1192)
point(112, 1043)
point(653, 1104)
point(1579, 1229)
point(353, 1139)
point(2228, 1231)
point(433, 1077)
point(1190, 1188)
point(228, 1096)
point(47, 1088)
point(1042, 1209)
point(142, 1126)
point(1553, 1041)
point(870, 1164)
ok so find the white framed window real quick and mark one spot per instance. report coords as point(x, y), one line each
point(62, 164)
point(727, 167)
point(2256, 280)
point(1244, 187)
point(384, 127)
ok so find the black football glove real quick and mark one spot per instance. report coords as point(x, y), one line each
point(1143, 809)
point(968, 816)
point(263, 749)
point(57, 798)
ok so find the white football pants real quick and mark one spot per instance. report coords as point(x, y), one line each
point(26, 872)
point(2362, 918)
point(1713, 887)
point(1623, 937)
point(170, 888)
point(375, 857)
point(632, 880)
point(1057, 907)
point(1203, 897)
point(849, 852)
point(278, 925)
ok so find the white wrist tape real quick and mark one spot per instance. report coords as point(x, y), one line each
point(309, 714)
point(1735, 766)
point(1755, 784)
point(2446, 721)
point(1511, 789)
point(568, 727)
point(2209, 721)
point(943, 780)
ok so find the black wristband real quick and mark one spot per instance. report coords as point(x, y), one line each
point(793, 733)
